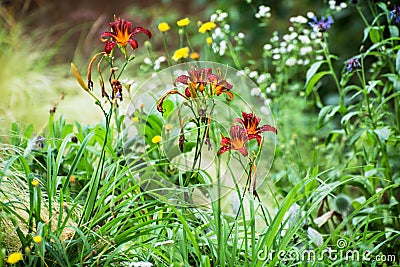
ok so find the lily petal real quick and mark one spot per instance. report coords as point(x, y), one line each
point(223, 150)
point(133, 43)
point(268, 128)
point(182, 79)
point(142, 30)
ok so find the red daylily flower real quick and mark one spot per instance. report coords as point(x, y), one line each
point(250, 122)
point(220, 85)
point(199, 78)
point(237, 141)
point(121, 33)
point(196, 80)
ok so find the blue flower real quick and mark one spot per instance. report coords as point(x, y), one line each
point(352, 64)
point(321, 25)
point(395, 14)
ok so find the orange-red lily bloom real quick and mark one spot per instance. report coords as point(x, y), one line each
point(122, 34)
point(196, 80)
point(237, 141)
point(220, 85)
point(250, 122)
point(199, 78)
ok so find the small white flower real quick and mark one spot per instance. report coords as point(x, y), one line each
point(290, 47)
point(310, 15)
point(274, 39)
point(300, 62)
point(222, 16)
point(263, 11)
point(213, 17)
point(267, 47)
point(218, 33)
point(241, 35)
point(147, 61)
point(222, 47)
point(290, 62)
point(273, 87)
point(304, 39)
point(276, 56)
point(227, 28)
point(253, 74)
point(255, 91)
point(263, 77)
point(305, 50)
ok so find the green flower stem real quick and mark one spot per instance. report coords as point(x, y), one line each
point(333, 73)
point(188, 40)
point(164, 38)
point(362, 15)
point(233, 54)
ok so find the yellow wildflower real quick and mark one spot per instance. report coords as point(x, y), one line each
point(15, 257)
point(163, 27)
point(156, 139)
point(183, 22)
point(135, 119)
point(181, 53)
point(209, 40)
point(194, 55)
point(35, 183)
point(37, 239)
point(207, 26)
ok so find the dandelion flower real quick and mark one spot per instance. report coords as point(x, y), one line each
point(181, 53)
point(15, 257)
point(35, 183)
point(183, 22)
point(163, 27)
point(207, 26)
point(156, 139)
point(37, 239)
point(194, 55)
point(209, 40)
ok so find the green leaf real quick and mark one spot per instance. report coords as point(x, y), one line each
point(383, 133)
point(311, 83)
point(356, 136)
point(375, 34)
point(398, 61)
point(348, 116)
point(313, 69)
point(168, 106)
point(394, 31)
point(326, 114)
